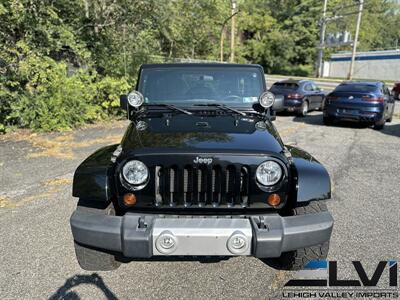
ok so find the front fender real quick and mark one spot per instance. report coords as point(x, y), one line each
point(92, 179)
point(313, 181)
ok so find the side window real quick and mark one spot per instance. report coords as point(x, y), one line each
point(314, 87)
point(308, 87)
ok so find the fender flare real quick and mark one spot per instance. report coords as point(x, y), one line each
point(93, 177)
point(313, 180)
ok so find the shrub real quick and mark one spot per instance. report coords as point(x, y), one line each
point(43, 97)
point(108, 90)
point(300, 70)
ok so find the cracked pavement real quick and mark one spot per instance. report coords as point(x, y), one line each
point(37, 259)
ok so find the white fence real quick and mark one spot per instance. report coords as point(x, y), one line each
point(381, 65)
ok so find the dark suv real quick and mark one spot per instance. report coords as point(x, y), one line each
point(300, 96)
point(201, 171)
point(369, 102)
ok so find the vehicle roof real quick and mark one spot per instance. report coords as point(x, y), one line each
point(376, 83)
point(297, 81)
point(188, 65)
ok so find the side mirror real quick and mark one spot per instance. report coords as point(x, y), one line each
point(123, 102)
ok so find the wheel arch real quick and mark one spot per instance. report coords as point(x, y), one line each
point(93, 177)
point(312, 179)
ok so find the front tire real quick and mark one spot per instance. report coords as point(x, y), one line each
point(327, 121)
point(390, 119)
point(321, 108)
point(304, 109)
point(379, 125)
point(298, 259)
point(89, 258)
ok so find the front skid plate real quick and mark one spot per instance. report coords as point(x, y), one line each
point(201, 236)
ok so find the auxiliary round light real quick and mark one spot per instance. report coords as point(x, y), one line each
point(135, 99)
point(267, 99)
point(237, 243)
point(135, 172)
point(269, 173)
point(274, 200)
point(166, 243)
point(129, 199)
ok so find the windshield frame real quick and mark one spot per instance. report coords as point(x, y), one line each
point(246, 67)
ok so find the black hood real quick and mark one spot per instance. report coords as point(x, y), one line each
point(201, 133)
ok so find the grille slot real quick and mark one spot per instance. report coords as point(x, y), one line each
point(213, 185)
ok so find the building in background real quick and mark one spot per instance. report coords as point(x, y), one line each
point(382, 65)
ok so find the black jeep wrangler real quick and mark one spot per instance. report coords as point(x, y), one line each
point(201, 171)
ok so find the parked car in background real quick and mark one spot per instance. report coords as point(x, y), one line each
point(369, 102)
point(298, 96)
point(396, 90)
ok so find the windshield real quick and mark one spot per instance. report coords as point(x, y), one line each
point(357, 88)
point(184, 86)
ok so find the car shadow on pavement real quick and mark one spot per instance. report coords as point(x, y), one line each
point(389, 129)
point(309, 119)
point(65, 292)
point(274, 264)
point(393, 130)
point(317, 120)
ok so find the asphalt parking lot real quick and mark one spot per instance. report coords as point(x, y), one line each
point(37, 259)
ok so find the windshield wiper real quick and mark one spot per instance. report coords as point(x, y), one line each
point(170, 106)
point(223, 106)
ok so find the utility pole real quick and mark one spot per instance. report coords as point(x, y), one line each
point(222, 33)
point(353, 54)
point(233, 30)
point(123, 46)
point(321, 41)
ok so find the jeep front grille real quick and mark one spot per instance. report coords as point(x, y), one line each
point(213, 185)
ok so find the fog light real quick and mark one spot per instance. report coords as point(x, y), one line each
point(274, 200)
point(166, 243)
point(237, 243)
point(129, 199)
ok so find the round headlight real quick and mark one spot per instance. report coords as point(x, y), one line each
point(135, 172)
point(135, 99)
point(269, 173)
point(266, 99)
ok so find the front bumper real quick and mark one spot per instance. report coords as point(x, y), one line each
point(138, 236)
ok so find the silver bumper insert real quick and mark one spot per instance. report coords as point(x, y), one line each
point(201, 236)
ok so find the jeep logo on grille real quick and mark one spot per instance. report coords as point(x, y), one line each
point(203, 160)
